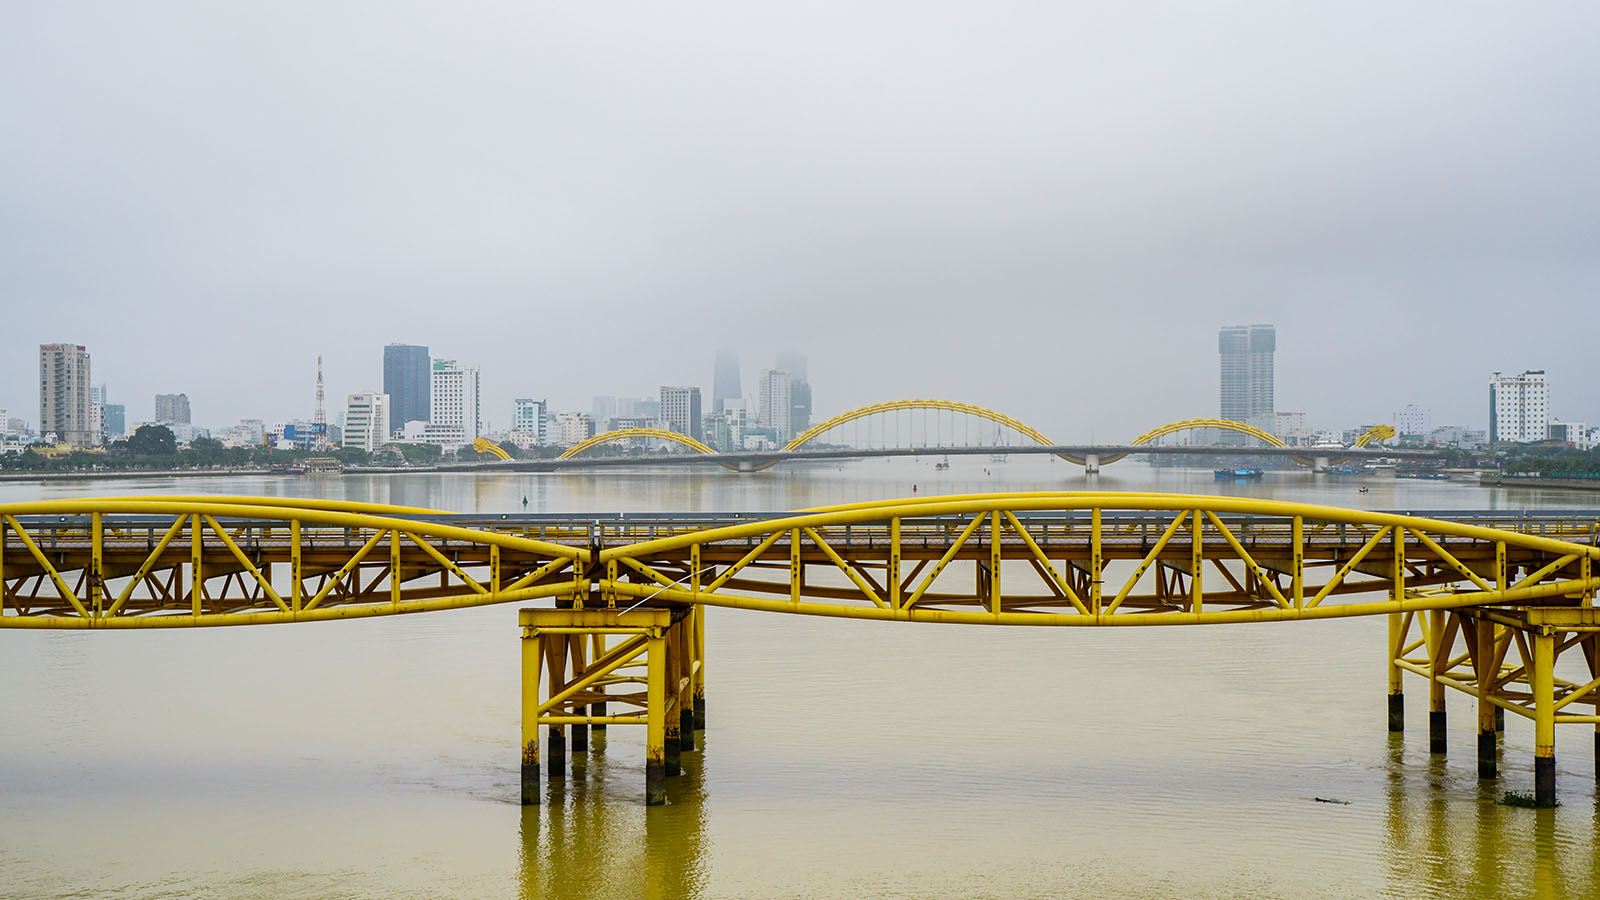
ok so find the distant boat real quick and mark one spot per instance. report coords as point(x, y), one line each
point(1241, 472)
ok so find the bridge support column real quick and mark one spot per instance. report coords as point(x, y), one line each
point(1321, 464)
point(553, 644)
point(532, 661)
point(1486, 666)
point(1442, 629)
point(1397, 697)
point(1544, 719)
point(1091, 464)
point(580, 730)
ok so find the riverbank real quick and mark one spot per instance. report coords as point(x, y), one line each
point(1494, 479)
point(124, 474)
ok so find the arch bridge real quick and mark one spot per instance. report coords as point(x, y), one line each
point(614, 630)
point(1090, 458)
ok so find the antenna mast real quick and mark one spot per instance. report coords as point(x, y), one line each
point(319, 420)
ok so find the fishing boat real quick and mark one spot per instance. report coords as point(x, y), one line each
point(1242, 472)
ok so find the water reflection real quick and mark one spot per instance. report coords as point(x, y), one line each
point(593, 837)
point(1448, 836)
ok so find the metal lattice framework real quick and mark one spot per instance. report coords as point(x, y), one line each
point(627, 595)
point(629, 434)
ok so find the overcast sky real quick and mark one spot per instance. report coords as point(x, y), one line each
point(1047, 208)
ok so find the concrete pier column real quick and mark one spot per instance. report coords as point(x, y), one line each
point(1397, 697)
point(1438, 624)
point(686, 729)
point(1091, 464)
point(1544, 719)
point(655, 750)
point(1321, 464)
point(531, 663)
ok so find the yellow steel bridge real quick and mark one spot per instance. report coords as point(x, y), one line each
point(614, 629)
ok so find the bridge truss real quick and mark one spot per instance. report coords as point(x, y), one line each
point(622, 639)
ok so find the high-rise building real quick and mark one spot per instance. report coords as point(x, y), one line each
point(799, 389)
point(407, 381)
point(453, 404)
point(680, 409)
point(605, 409)
point(528, 420)
point(1413, 420)
point(64, 394)
point(1519, 407)
point(172, 409)
point(366, 421)
point(775, 405)
point(725, 380)
point(1247, 376)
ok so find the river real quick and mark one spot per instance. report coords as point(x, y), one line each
point(844, 759)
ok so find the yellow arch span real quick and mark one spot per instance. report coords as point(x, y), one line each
point(623, 434)
point(484, 445)
point(815, 431)
point(1153, 434)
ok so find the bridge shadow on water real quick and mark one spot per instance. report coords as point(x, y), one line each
point(593, 837)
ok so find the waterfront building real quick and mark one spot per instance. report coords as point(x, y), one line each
point(64, 394)
point(453, 404)
point(408, 382)
point(1573, 434)
point(680, 410)
point(1519, 408)
point(725, 381)
point(1413, 421)
point(574, 427)
point(366, 421)
point(775, 404)
point(172, 409)
point(1247, 377)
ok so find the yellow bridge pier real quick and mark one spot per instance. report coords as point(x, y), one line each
point(1497, 606)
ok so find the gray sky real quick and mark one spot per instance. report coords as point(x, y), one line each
point(1047, 208)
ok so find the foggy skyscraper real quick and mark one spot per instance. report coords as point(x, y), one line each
point(725, 381)
point(799, 390)
point(1247, 394)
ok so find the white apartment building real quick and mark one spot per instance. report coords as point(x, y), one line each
point(366, 421)
point(1519, 407)
point(453, 404)
point(1413, 419)
point(773, 404)
point(680, 410)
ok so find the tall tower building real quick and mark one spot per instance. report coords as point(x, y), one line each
point(1247, 376)
point(64, 394)
point(453, 400)
point(680, 409)
point(407, 382)
point(725, 382)
point(799, 390)
point(775, 403)
point(1519, 407)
